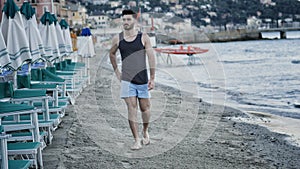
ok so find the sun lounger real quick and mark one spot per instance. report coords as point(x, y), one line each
point(50, 86)
point(29, 97)
point(32, 149)
point(74, 76)
point(29, 149)
point(68, 79)
point(10, 164)
point(42, 75)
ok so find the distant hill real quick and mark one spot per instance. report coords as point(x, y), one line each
point(213, 12)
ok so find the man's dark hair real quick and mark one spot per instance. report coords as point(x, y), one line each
point(129, 12)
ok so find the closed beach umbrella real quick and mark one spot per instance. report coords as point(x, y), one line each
point(66, 34)
point(14, 35)
point(49, 37)
point(60, 37)
point(33, 34)
point(85, 44)
point(86, 32)
point(4, 58)
point(86, 49)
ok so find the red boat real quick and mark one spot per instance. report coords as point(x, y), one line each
point(190, 51)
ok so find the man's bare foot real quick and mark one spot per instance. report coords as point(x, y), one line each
point(137, 145)
point(146, 138)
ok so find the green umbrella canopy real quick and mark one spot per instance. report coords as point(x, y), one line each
point(63, 24)
point(27, 10)
point(10, 8)
point(47, 17)
point(55, 19)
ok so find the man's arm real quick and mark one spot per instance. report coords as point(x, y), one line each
point(113, 57)
point(151, 60)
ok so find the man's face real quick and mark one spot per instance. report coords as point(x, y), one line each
point(128, 22)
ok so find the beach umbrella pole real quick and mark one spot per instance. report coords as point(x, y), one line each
point(88, 71)
point(15, 79)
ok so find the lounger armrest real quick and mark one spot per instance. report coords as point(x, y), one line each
point(47, 82)
point(29, 98)
point(19, 112)
point(7, 99)
point(5, 136)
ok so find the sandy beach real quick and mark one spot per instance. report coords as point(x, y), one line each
point(186, 132)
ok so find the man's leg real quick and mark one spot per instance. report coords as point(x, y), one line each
point(131, 103)
point(145, 109)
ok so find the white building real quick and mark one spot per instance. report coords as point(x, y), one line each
point(114, 3)
point(99, 2)
point(98, 21)
point(76, 14)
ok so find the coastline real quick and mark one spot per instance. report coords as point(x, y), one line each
point(95, 133)
point(215, 37)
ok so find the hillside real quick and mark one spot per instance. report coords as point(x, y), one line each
point(211, 12)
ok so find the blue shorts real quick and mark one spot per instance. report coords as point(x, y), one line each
point(129, 89)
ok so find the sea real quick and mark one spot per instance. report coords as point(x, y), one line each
point(258, 75)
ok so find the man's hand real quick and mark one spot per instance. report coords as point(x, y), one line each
point(113, 57)
point(151, 60)
point(151, 84)
point(118, 74)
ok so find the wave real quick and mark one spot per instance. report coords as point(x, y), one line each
point(249, 50)
point(282, 112)
point(293, 92)
point(242, 61)
point(235, 94)
point(250, 103)
point(208, 86)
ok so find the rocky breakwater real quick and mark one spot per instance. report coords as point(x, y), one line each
point(232, 35)
point(202, 37)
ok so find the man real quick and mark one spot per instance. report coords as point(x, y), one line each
point(135, 85)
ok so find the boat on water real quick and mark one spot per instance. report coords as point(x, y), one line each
point(190, 51)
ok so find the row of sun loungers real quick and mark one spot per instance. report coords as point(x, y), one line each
point(32, 109)
point(37, 82)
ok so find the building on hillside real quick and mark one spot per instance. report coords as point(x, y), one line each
point(98, 21)
point(61, 9)
point(96, 2)
point(180, 24)
point(153, 21)
point(99, 2)
point(164, 23)
point(132, 3)
point(76, 14)
point(114, 4)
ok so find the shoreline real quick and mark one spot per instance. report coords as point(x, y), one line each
point(95, 134)
point(275, 123)
point(217, 37)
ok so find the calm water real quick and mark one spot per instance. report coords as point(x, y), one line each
point(252, 75)
point(262, 76)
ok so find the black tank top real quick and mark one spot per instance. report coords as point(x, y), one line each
point(133, 55)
